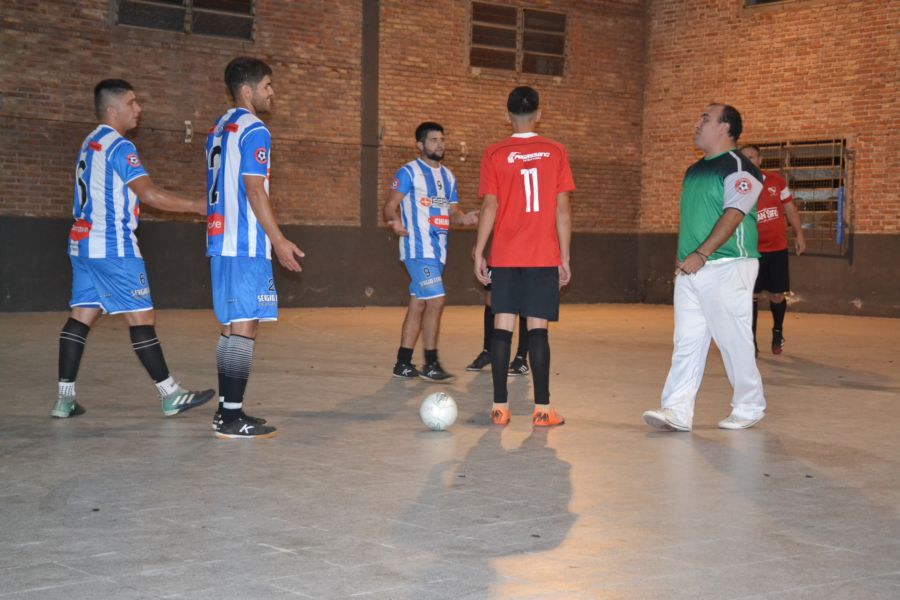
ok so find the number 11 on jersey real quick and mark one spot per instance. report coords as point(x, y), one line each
point(530, 181)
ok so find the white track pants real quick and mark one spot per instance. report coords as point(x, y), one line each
point(715, 302)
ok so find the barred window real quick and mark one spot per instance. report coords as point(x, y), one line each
point(819, 174)
point(518, 39)
point(219, 18)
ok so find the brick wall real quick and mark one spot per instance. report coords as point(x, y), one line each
point(804, 69)
point(595, 109)
point(54, 52)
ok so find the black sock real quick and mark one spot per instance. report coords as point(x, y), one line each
point(72, 339)
point(539, 346)
point(500, 345)
point(236, 363)
point(404, 355)
point(488, 327)
point(755, 317)
point(522, 349)
point(431, 356)
point(778, 311)
point(221, 346)
point(147, 347)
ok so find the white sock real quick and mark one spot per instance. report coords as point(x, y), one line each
point(66, 388)
point(167, 387)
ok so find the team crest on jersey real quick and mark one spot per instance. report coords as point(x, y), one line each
point(772, 190)
point(425, 201)
point(215, 224)
point(743, 185)
point(395, 184)
point(81, 229)
point(133, 160)
point(261, 155)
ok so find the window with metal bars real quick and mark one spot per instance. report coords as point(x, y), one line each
point(518, 39)
point(219, 18)
point(819, 173)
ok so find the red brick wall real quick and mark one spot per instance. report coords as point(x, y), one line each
point(54, 52)
point(595, 109)
point(803, 69)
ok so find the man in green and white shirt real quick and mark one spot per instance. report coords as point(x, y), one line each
point(716, 268)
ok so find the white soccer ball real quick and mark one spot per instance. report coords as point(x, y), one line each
point(438, 411)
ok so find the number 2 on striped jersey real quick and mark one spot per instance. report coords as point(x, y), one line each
point(530, 181)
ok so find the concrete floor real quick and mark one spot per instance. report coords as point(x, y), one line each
point(355, 499)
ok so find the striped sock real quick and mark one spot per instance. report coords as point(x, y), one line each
point(221, 346)
point(236, 363)
point(149, 351)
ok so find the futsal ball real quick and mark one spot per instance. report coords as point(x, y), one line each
point(438, 411)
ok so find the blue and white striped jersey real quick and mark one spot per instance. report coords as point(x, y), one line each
point(425, 209)
point(104, 207)
point(237, 145)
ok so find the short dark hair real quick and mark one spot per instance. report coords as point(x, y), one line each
point(523, 100)
point(105, 90)
point(425, 128)
point(244, 70)
point(754, 146)
point(731, 116)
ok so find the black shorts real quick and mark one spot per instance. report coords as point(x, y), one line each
point(526, 291)
point(773, 273)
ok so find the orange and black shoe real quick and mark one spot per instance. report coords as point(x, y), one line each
point(500, 416)
point(546, 418)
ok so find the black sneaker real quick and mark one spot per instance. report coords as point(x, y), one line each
point(217, 420)
point(777, 342)
point(405, 370)
point(480, 362)
point(518, 366)
point(243, 428)
point(434, 372)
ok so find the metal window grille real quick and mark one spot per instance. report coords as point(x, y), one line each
point(819, 173)
point(218, 18)
point(517, 39)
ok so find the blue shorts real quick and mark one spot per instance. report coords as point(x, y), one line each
point(243, 289)
point(425, 275)
point(115, 285)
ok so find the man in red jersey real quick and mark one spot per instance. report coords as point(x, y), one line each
point(774, 204)
point(525, 182)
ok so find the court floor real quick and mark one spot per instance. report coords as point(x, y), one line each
point(355, 499)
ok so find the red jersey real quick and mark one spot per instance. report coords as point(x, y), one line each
point(770, 220)
point(525, 172)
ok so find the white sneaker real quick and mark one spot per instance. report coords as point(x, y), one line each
point(664, 419)
point(733, 422)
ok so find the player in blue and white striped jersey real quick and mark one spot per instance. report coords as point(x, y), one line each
point(422, 204)
point(241, 234)
point(108, 273)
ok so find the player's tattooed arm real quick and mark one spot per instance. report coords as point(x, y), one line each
point(156, 197)
point(286, 251)
point(458, 217)
point(392, 213)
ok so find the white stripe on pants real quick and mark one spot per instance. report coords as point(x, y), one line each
point(715, 302)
